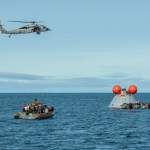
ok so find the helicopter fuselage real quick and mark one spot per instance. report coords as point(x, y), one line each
point(31, 28)
point(18, 31)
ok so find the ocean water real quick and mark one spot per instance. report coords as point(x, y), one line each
point(81, 122)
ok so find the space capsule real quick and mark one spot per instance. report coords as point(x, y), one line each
point(122, 96)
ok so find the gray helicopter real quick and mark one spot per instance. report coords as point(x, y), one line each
point(33, 27)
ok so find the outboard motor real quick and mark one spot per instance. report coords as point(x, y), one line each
point(50, 109)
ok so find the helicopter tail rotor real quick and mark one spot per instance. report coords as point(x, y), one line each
point(1, 24)
point(2, 29)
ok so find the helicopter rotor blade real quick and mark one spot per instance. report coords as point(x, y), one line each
point(19, 21)
point(33, 22)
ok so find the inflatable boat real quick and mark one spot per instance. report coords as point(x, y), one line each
point(24, 115)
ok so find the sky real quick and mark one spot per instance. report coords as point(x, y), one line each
point(93, 45)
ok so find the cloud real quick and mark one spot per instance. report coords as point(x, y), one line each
point(118, 75)
point(17, 82)
point(19, 76)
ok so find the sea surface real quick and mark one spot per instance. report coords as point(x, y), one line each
point(81, 122)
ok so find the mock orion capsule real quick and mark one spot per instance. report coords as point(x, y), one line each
point(123, 96)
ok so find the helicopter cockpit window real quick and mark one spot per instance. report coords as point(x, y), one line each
point(44, 27)
point(23, 28)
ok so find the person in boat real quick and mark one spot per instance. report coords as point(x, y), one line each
point(45, 109)
point(31, 108)
point(39, 108)
point(36, 102)
point(36, 109)
point(26, 108)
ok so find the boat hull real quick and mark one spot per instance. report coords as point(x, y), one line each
point(23, 115)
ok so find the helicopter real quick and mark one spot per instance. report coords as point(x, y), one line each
point(33, 27)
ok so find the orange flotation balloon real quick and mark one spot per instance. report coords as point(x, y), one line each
point(132, 89)
point(116, 89)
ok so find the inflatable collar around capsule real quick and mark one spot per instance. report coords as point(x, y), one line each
point(122, 96)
